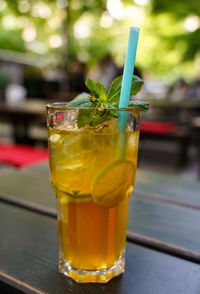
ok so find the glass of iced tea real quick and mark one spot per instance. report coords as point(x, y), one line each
point(92, 172)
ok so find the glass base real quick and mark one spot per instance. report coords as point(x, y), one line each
point(92, 276)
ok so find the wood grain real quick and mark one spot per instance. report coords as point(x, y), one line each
point(167, 223)
point(163, 187)
point(153, 185)
point(28, 255)
point(28, 186)
point(176, 226)
point(164, 247)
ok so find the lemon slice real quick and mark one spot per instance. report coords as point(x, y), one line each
point(113, 183)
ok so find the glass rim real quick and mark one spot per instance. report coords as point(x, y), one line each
point(63, 106)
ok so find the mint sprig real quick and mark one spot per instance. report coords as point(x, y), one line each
point(115, 88)
point(103, 102)
point(94, 117)
point(82, 100)
point(142, 105)
point(97, 89)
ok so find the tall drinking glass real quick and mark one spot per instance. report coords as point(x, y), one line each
point(92, 174)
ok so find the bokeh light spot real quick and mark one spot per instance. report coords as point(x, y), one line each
point(192, 23)
point(141, 2)
point(106, 20)
point(115, 8)
point(29, 33)
point(55, 41)
point(3, 5)
point(41, 10)
point(24, 6)
point(62, 3)
point(81, 29)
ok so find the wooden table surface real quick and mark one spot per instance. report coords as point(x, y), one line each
point(163, 248)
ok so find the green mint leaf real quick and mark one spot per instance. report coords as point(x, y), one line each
point(82, 100)
point(94, 117)
point(104, 105)
point(136, 86)
point(142, 105)
point(84, 118)
point(115, 88)
point(97, 89)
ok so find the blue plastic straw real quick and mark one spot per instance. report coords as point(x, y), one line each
point(127, 76)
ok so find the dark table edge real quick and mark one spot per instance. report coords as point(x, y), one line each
point(29, 205)
point(163, 247)
point(142, 240)
point(19, 285)
point(160, 198)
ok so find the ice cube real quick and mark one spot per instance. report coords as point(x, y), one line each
point(55, 138)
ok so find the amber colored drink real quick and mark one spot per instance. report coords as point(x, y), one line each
point(92, 187)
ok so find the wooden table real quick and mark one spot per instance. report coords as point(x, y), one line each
point(163, 248)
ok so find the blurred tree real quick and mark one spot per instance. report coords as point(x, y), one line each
point(88, 30)
point(169, 38)
point(33, 26)
point(179, 8)
point(188, 13)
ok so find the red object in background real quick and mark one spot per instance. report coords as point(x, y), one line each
point(21, 155)
point(60, 117)
point(157, 127)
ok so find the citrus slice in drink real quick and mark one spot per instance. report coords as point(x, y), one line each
point(113, 183)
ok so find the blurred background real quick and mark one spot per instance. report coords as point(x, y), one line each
point(48, 48)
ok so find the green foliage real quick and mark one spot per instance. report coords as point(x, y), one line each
point(16, 25)
point(5, 80)
point(165, 48)
point(142, 105)
point(179, 8)
point(103, 104)
point(114, 91)
point(12, 40)
point(93, 117)
point(82, 100)
point(192, 41)
point(97, 89)
point(115, 88)
point(185, 43)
